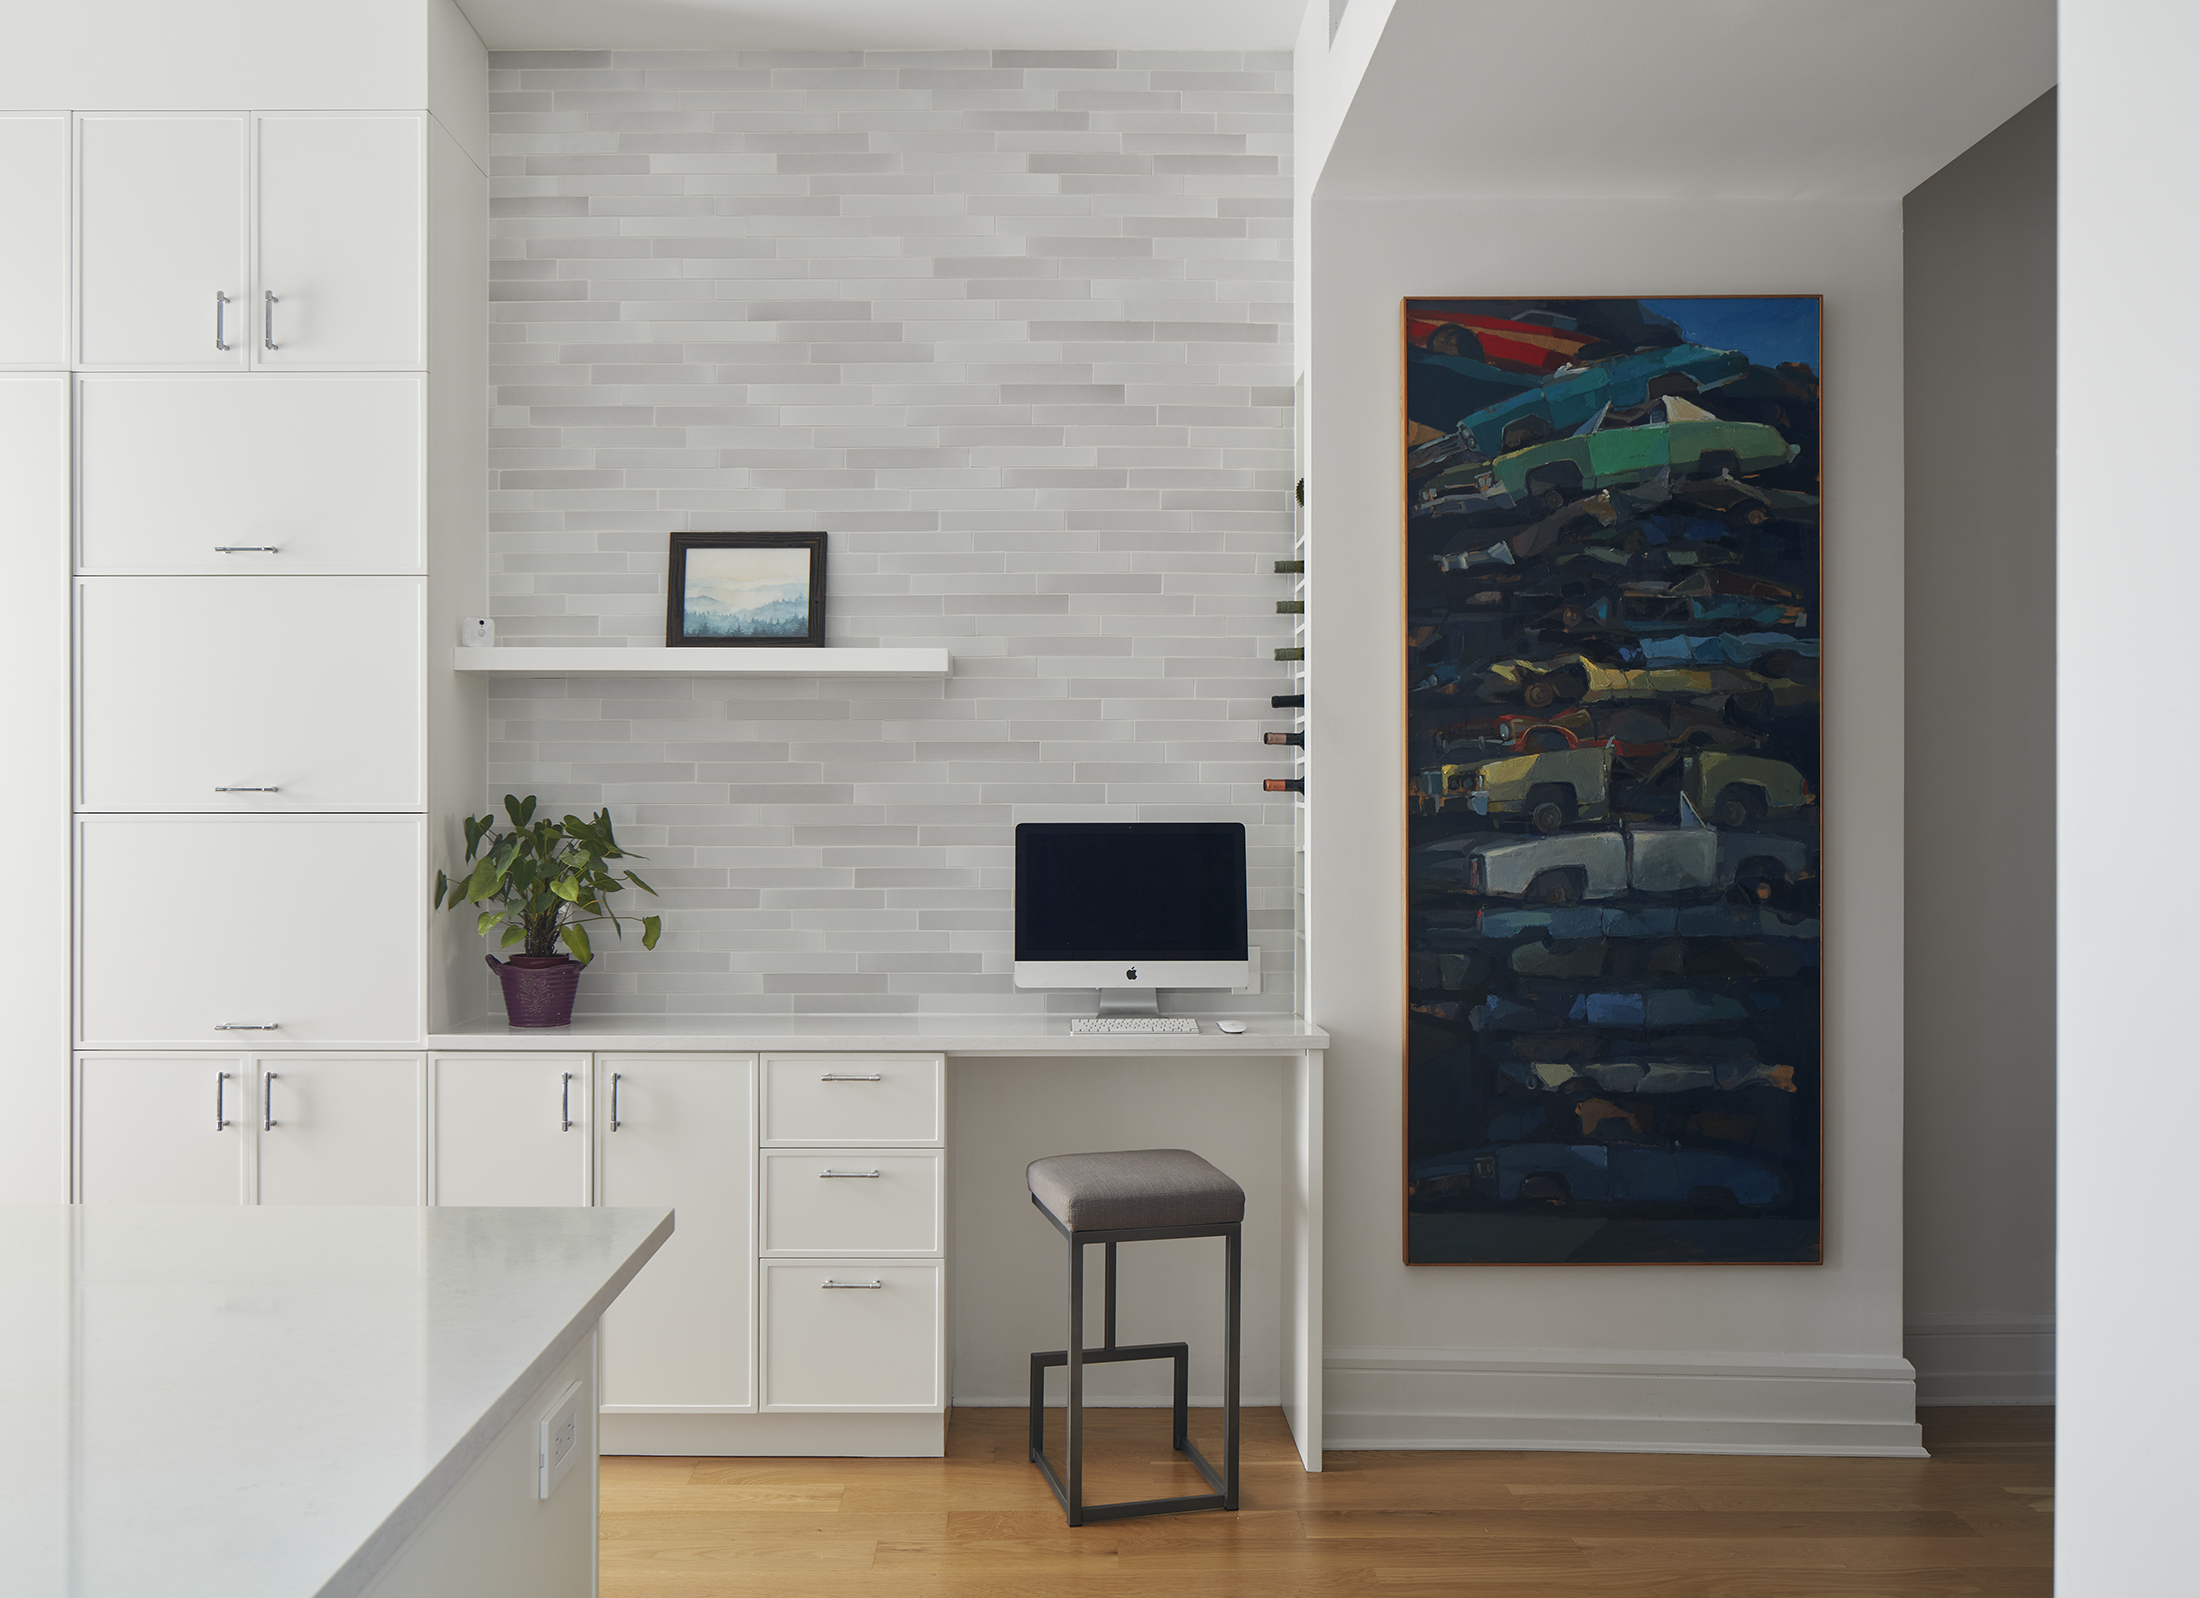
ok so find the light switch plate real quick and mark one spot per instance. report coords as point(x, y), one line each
point(558, 1441)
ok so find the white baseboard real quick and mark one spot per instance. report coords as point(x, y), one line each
point(1620, 1401)
point(921, 1436)
point(1982, 1357)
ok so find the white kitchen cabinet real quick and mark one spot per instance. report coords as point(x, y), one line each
point(509, 1129)
point(853, 1201)
point(209, 930)
point(852, 1335)
point(250, 475)
point(852, 1100)
point(162, 217)
point(339, 241)
point(204, 693)
point(162, 1129)
point(34, 245)
point(338, 1128)
point(679, 1131)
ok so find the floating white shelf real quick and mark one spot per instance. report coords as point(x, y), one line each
point(662, 662)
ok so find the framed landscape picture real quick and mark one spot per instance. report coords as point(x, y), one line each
point(745, 588)
point(1613, 777)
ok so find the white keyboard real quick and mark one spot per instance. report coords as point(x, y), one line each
point(1132, 1023)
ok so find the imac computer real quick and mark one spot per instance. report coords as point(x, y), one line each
point(1131, 907)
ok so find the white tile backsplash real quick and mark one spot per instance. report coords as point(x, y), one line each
point(1012, 327)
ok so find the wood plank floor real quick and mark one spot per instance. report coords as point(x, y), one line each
point(1974, 1521)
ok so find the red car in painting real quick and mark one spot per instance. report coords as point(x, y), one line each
point(1541, 342)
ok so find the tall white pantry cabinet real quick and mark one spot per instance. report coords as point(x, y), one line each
point(243, 374)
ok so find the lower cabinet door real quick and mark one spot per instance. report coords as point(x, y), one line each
point(863, 1335)
point(509, 1129)
point(260, 965)
point(339, 1129)
point(678, 1131)
point(161, 1128)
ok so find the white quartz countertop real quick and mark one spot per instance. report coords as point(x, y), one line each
point(266, 1402)
point(932, 1034)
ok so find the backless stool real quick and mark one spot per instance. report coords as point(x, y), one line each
point(1133, 1197)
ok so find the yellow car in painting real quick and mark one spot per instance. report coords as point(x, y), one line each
point(1737, 790)
point(1547, 790)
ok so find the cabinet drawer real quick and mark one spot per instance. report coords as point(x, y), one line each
point(252, 950)
point(328, 471)
point(855, 1346)
point(306, 686)
point(862, 1201)
point(853, 1100)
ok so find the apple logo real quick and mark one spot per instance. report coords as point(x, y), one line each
point(1132, 974)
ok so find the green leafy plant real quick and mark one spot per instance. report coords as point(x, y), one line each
point(547, 879)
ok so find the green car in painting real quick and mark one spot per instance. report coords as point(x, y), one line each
point(1690, 441)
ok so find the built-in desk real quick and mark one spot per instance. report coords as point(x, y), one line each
point(732, 1122)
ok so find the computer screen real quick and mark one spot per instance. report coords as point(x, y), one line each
point(1130, 890)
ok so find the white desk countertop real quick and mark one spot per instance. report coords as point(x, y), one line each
point(934, 1034)
point(269, 1401)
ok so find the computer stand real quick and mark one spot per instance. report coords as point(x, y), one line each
point(1129, 1001)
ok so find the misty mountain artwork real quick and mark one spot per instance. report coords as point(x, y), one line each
point(1613, 778)
point(746, 588)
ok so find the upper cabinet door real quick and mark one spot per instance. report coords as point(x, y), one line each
point(34, 246)
point(161, 230)
point(341, 259)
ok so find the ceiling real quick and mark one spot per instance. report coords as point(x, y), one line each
point(1685, 99)
point(885, 24)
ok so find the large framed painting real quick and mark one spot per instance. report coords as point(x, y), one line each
point(1613, 779)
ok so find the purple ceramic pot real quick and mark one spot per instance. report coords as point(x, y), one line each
point(538, 988)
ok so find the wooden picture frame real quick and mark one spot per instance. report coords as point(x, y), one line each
point(745, 590)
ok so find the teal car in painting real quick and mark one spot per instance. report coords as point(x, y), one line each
point(1566, 402)
point(1690, 440)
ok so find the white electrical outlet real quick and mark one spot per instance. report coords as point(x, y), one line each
point(558, 1441)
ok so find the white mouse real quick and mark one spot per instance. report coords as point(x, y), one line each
point(1229, 1026)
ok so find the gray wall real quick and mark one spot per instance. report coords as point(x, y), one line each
point(1979, 263)
point(1013, 329)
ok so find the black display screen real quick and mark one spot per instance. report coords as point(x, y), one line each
point(1130, 890)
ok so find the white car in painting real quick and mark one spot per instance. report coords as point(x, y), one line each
point(1566, 868)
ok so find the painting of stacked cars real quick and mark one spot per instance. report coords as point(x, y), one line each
point(1612, 781)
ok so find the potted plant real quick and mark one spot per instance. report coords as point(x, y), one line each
point(547, 880)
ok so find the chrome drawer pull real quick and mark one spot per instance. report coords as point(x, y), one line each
point(267, 1102)
point(221, 1118)
point(247, 1026)
point(830, 1283)
point(615, 1079)
point(268, 338)
point(865, 1175)
point(248, 790)
point(246, 549)
point(565, 1102)
point(841, 1076)
point(221, 300)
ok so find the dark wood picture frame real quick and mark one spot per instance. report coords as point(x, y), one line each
point(676, 582)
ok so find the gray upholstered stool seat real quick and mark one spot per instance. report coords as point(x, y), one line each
point(1137, 1196)
point(1134, 1188)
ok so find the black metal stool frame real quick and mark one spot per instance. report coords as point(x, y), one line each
point(1077, 1357)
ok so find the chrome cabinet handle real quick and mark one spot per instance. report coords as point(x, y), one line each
point(565, 1102)
point(840, 1076)
point(267, 1101)
point(221, 1084)
point(221, 302)
point(268, 338)
point(864, 1174)
point(248, 790)
point(246, 549)
point(247, 1026)
point(831, 1283)
point(614, 1101)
